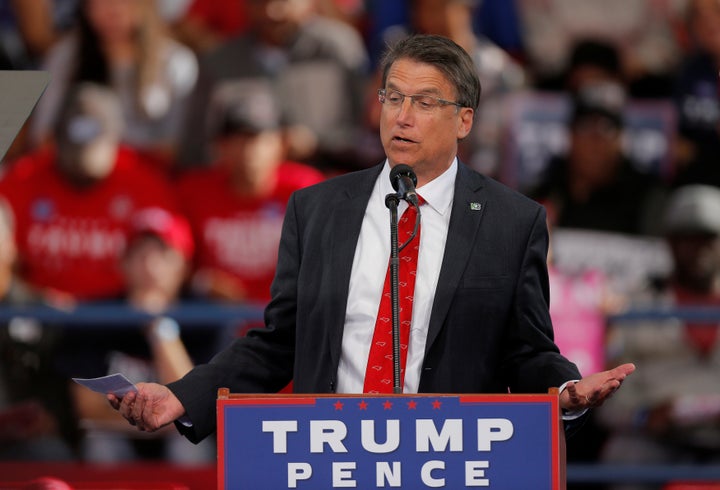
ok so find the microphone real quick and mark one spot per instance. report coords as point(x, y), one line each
point(403, 180)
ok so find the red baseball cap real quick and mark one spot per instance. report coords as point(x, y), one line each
point(171, 228)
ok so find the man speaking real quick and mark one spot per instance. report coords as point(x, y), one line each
point(473, 308)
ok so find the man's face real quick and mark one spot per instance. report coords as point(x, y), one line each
point(595, 148)
point(91, 160)
point(96, 160)
point(427, 141)
point(150, 265)
point(251, 158)
point(697, 258)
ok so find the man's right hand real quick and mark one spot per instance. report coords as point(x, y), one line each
point(154, 406)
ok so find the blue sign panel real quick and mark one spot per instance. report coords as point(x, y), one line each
point(502, 442)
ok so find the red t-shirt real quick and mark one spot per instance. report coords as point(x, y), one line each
point(71, 240)
point(240, 235)
point(225, 17)
point(701, 335)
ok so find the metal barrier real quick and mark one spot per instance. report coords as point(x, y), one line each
point(650, 473)
point(700, 314)
point(116, 313)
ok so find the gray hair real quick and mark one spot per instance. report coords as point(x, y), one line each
point(445, 55)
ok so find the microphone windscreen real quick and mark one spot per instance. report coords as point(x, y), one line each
point(402, 169)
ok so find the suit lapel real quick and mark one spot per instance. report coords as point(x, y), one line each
point(467, 211)
point(346, 219)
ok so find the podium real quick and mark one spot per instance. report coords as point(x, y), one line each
point(390, 441)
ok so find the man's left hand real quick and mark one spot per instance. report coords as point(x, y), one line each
point(593, 390)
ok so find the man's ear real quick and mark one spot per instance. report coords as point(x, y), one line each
point(466, 121)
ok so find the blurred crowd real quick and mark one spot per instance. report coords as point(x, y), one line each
point(157, 165)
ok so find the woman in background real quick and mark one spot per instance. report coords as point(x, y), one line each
point(124, 44)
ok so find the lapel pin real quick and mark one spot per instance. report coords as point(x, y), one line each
point(475, 206)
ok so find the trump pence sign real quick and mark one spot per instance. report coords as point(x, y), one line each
point(400, 441)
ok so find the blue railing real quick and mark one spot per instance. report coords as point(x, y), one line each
point(701, 314)
point(645, 473)
point(209, 313)
point(119, 314)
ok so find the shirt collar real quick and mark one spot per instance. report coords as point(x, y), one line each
point(438, 193)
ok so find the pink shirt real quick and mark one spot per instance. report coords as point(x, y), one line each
point(578, 319)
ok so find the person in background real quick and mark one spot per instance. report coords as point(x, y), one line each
point(318, 67)
point(697, 98)
point(642, 31)
point(208, 23)
point(28, 30)
point(124, 45)
point(327, 296)
point(36, 422)
point(670, 411)
point(12, 289)
point(351, 12)
point(591, 61)
point(595, 186)
point(156, 264)
point(580, 302)
point(72, 202)
point(237, 204)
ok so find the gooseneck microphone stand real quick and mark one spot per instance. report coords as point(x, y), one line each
point(391, 201)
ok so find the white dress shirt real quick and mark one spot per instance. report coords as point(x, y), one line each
point(367, 278)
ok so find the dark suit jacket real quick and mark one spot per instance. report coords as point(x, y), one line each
point(489, 330)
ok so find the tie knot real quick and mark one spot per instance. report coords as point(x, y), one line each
point(421, 201)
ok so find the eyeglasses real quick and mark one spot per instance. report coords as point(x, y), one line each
point(421, 102)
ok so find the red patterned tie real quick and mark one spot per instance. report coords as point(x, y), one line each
point(379, 371)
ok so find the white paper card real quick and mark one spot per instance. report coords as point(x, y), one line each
point(117, 384)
